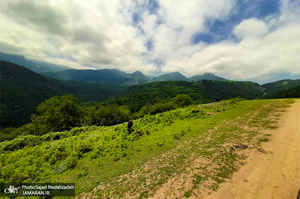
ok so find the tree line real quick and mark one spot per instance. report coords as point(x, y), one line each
point(61, 113)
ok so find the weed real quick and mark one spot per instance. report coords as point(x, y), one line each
point(188, 193)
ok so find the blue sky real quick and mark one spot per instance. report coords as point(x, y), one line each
point(221, 29)
point(237, 39)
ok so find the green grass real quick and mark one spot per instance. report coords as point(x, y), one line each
point(166, 142)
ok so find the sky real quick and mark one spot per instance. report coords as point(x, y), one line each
point(257, 40)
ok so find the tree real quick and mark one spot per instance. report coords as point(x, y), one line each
point(58, 113)
point(108, 115)
point(182, 100)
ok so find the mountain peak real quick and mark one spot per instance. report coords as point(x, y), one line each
point(137, 73)
point(205, 76)
point(174, 76)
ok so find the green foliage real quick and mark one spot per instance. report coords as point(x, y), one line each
point(182, 100)
point(20, 143)
point(71, 161)
point(203, 91)
point(101, 153)
point(275, 87)
point(107, 115)
point(8, 134)
point(58, 113)
point(293, 92)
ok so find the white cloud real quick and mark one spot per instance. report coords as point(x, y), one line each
point(277, 52)
point(265, 47)
point(179, 21)
point(97, 33)
point(102, 34)
point(252, 27)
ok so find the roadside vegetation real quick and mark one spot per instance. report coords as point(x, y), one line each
point(160, 146)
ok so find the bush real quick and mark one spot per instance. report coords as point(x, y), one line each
point(182, 100)
point(71, 162)
point(108, 115)
point(19, 143)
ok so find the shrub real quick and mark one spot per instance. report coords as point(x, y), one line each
point(182, 100)
point(19, 143)
point(107, 115)
point(71, 162)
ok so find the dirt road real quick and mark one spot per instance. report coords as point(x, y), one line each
point(275, 174)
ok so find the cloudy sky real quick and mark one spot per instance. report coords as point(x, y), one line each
point(255, 40)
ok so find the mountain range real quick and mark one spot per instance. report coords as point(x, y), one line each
point(22, 89)
point(34, 65)
point(113, 76)
point(109, 76)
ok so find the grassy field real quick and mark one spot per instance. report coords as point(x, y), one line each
point(201, 145)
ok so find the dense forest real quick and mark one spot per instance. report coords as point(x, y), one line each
point(22, 90)
point(203, 91)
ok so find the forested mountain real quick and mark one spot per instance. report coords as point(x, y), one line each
point(205, 76)
point(113, 76)
point(282, 89)
point(274, 87)
point(293, 92)
point(202, 91)
point(34, 65)
point(176, 76)
point(142, 79)
point(109, 76)
point(22, 90)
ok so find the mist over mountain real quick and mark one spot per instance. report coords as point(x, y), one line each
point(110, 76)
point(34, 65)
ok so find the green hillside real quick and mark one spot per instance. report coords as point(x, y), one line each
point(201, 92)
point(22, 90)
point(271, 89)
point(293, 92)
point(159, 147)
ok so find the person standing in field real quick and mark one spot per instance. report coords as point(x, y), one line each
point(129, 126)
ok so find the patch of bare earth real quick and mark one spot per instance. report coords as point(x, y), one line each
point(273, 171)
point(180, 173)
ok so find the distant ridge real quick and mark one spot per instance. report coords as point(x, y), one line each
point(34, 65)
point(22, 90)
point(109, 76)
point(114, 76)
point(175, 76)
point(205, 76)
point(142, 79)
